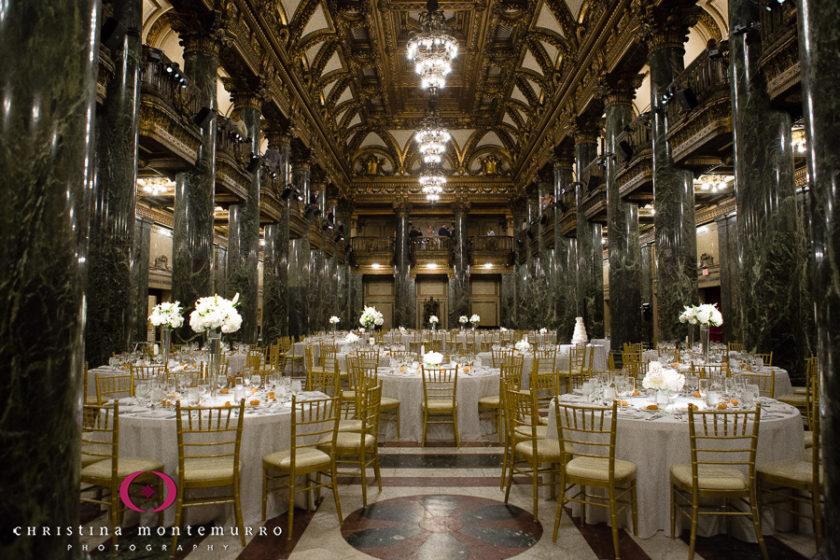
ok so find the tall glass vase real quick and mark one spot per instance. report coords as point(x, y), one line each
point(704, 342)
point(214, 353)
point(165, 342)
point(691, 337)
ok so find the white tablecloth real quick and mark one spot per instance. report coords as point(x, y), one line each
point(599, 361)
point(408, 388)
point(655, 445)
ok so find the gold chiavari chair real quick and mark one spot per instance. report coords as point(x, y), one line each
point(403, 355)
point(733, 347)
point(498, 355)
point(509, 372)
point(723, 445)
point(360, 449)
point(369, 358)
point(85, 398)
point(713, 370)
point(314, 432)
point(314, 372)
point(633, 347)
point(766, 382)
point(209, 442)
point(114, 386)
point(440, 390)
point(580, 366)
point(529, 448)
point(784, 482)
point(147, 373)
point(387, 405)
point(255, 358)
point(104, 469)
point(545, 386)
point(588, 434)
point(766, 358)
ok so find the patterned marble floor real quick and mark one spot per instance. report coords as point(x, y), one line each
point(439, 503)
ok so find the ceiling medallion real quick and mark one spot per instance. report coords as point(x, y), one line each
point(432, 49)
point(431, 137)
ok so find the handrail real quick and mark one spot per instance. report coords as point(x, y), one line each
point(491, 243)
point(362, 244)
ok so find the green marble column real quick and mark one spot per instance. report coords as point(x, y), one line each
point(140, 278)
point(459, 284)
point(275, 323)
point(543, 263)
point(243, 259)
point(590, 280)
point(771, 240)
point(299, 286)
point(819, 49)
point(520, 269)
point(404, 304)
point(646, 292)
point(507, 305)
point(192, 239)
point(112, 214)
point(342, 232)
point(673, 188)
point(356, 299)
point(220, 277)
point(48, 83)
point(623, 232)
point(730, 286)
point(565, 255)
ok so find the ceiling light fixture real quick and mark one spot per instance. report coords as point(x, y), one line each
point(432, 49)
point(432, 180)
point(431, 137)
point(155, 186)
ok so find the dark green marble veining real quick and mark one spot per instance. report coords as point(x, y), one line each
point(243, 260)
point(624, 249)
point(590, 292)
point(404, 305)
point(192, 239)
point(299, 259)
point(730, 279)
point(47, 82)
point(357, 298)
point(673, 188)
point(140, 278)
point(459, 287)
point(112, 214)
point(646, 293)
point(565, 259)
point(819, 48)
point(274, 314)
point(771, 240)
point(220, 262)
point(507, 307)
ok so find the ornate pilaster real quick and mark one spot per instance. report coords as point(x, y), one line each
point(590, 280)
point(774, 298)
point(47, 75)
point(622, 224)
point(819, 50)
point(112, 217)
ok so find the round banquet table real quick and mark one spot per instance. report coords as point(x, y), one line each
point(599, 361)
point(407, 387)
point(656, 442)
point(152, 433)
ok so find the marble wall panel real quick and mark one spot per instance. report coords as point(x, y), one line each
point(590, 280)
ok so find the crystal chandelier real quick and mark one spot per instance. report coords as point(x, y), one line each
point(432, 49)
point(431, 137)
point(432, 180)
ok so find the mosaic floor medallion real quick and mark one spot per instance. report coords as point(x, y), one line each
point(441, 527)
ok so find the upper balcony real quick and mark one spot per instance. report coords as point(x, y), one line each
point(634, 161)
point(780, 52)
point(372, 252)
point(594, 187)
point(700, 113)
point(491, 251)
point(431, 252)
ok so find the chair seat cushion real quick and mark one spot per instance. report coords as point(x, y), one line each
point(489, 402)
point(306, 460)
point(597, 468)
point(548, 450)
point(349, 425)
point(710, 477)
point(794, 399)
point(348, 395)
point(125, 466)
point(789, 473)
point(800, 390)
point(808, 438)
point(525, 432)
point(388, 402)
point(440, 405)
point(207, 470)
point(347, 443)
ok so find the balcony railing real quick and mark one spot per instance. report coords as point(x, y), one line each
point(372, 245)
point(162, 78)
point(491, 244)
point(705, 78)
point(421, 244)
point(634, 140)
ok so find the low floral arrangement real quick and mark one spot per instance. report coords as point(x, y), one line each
point(402, 330)
point(463, 319)
point(475, 319)
point(167, 314)
point(523, 345)
point(215, 312)
point(334, 320)
point(434, 320)
point(662, 378)
point(351, 338)
point(432, 358)
point(543, 330)
point(370, 317)
point(706, 315)
point(502, 329)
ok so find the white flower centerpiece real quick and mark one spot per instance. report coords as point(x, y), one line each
point(215, 315)
point(475, 320)
point(351, 338)
point(334, 321)
point(167, 315)
point(665, 381)
point(706, 315)
point(543, 330)
point(463, 319)
point(432, 359)
point(371, 317)
point(523, 345)
point(403, 330)
point(433, 321)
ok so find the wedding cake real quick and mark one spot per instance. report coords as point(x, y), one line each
point(579, 336)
